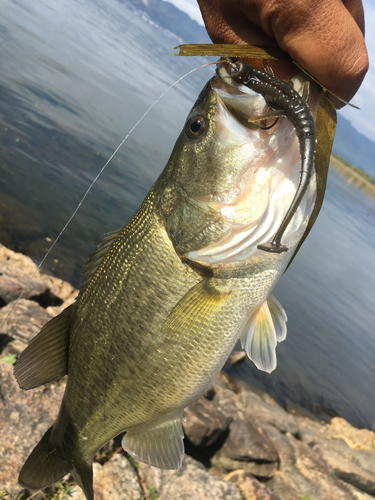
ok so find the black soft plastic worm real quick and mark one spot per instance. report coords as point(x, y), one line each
point(280, 96)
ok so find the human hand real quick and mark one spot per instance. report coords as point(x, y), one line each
point(325, 37)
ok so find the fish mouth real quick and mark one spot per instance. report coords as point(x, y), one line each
point(267, 186)
point(241, 102)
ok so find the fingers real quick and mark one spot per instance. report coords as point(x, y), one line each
point(325, 37)
point(233, 22)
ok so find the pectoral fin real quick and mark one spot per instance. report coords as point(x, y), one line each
point(46, 357)
point(196, 308)
point(161, 446)
point(265, 328)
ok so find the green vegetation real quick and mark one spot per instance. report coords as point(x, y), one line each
point(9, 359)
point(152, 493)
point(133, 463)
point(63, 491)
point(358, 170)
point(306, 497)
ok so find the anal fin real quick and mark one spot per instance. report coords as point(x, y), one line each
point(46, 357)
point(265, 328)
point(161, 446)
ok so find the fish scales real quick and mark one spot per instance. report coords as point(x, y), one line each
point(150, 267)
point(165, 299)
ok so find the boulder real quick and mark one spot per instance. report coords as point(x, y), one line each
point(355, 438)
point(24, 322)
point(264, 409)
point(304, 472)
point(191, 481)
point(24, 418)
point(251, 488)
point(22, 267)
point(13, 281)
point(227, 402)
point(115, 480)
point(249, 448)
point(204, 424)
point(236, 358)
point(312, 432)
point(354, 467)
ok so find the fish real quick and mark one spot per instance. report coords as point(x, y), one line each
point(165, 299)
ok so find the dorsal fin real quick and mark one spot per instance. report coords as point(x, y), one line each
point(97, 257)
point(45, 359)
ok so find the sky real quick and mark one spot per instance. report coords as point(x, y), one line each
point(364, 119)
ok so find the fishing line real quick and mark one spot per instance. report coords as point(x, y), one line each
point(94, 181)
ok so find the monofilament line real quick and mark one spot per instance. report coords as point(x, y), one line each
point(89, 189)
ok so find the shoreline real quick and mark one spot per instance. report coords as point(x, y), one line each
point(240, 443)
point(352, 176)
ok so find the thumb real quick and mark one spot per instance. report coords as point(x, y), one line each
point(324, 38)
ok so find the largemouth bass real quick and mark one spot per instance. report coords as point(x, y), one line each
point(165, 299)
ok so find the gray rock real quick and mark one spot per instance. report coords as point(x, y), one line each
point(247, 442)
point(266, 410)
point(303, 471)
point(260, 470)
point(115, 480)
point(24, 418)
point(250, 487)
point(227, 402)
point(24, 322)
point(247, 447)
point(13, 281)
point(204, 424)
point(26, 267)
point(312, 432)
point(356, 438)
point(190, 482)
point(236, 358)
point(357, 494)
point(356, 467)
point(222, 381)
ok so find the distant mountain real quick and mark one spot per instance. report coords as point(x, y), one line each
point(354, 147)
point(173, 19)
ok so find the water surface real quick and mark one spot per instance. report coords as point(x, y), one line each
point(74, 78)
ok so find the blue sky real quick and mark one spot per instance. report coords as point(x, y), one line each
point(363, 120)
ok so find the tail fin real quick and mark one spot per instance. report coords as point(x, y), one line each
point(46, 465)
point(84, 477)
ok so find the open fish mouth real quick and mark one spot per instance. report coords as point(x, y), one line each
point(256, 207)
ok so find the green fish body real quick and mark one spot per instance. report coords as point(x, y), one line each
point(166, 298)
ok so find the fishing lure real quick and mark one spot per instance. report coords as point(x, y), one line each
point(280, 96)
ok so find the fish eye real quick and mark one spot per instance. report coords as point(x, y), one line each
point(195, 126)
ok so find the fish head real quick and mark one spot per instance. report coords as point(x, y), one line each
point(233, 174)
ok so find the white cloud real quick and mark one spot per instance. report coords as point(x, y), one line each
point(190, 7)
point(364, 120)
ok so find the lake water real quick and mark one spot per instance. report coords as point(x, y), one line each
point(74, 78)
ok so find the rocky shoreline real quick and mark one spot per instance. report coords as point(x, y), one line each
point(240, 444)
